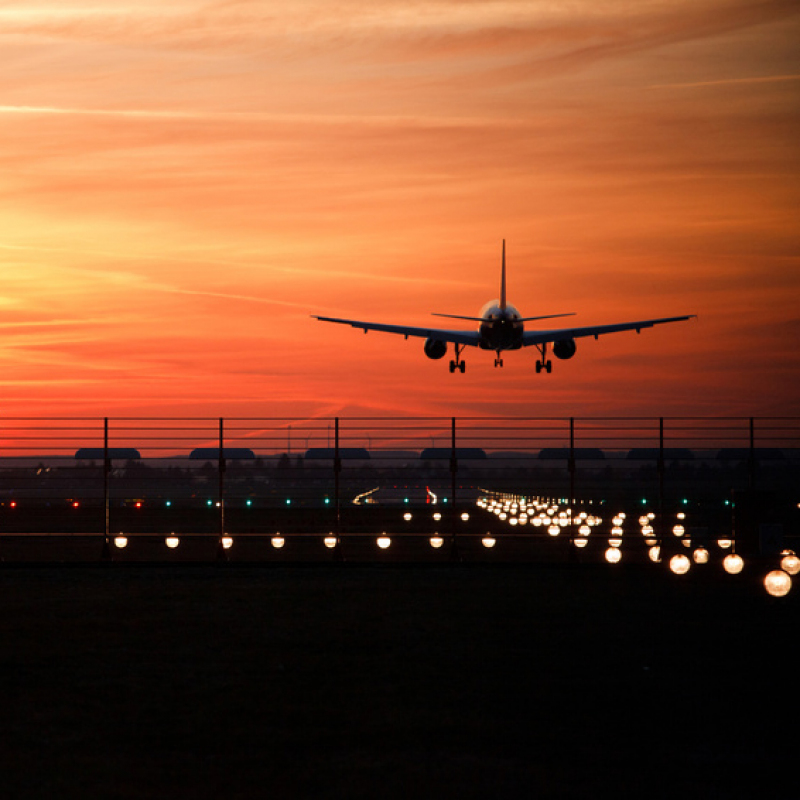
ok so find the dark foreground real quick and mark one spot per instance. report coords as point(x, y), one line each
point(361, 682)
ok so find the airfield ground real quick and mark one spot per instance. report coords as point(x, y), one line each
point(365, 681)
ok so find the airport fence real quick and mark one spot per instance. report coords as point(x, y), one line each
point(221, 477)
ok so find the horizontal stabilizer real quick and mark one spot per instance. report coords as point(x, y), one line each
point(458, 316)
point(549, 316)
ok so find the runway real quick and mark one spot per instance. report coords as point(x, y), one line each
point(362, 681)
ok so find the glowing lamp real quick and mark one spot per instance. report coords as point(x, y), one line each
point(613, 555)
point(616, 531)
point(554, 530)
point(617, 521)
point(503, 515)
point(790, 563)
point(647, 530)
point(488, 540)
point(680, 564)
point(172, 541)
point(513, 521)
point(563, 522)
point(465, 517)
point(678, 530)
point(384, 542)
point(644, 520)
point(733, 563)
point(724, 542)
point(330, 541)
point(777, 583)
point(581, 541)
point(584, 530)
point(278, 541)
point(681, 515)
point(523, 520)
point(700, 556)
point(227, 542)
point(615, 541)
point(654, 554)
point(436, 541)
point(407, 516)
point(537, 522)
point(120, 541)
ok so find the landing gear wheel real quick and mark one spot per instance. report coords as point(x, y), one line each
point(463, 366)
point(498, 362)
point(548, 365)
point(452, 366)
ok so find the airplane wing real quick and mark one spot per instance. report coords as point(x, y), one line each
point(541, 337)
point(458, 337)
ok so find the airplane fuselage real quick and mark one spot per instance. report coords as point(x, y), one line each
point(500, 328)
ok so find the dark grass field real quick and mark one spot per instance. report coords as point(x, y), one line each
point(350, 681)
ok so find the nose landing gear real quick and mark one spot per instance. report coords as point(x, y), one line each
point(544, 363)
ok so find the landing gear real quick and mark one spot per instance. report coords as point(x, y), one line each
point(498, 362)
point(544, 363)
point(458, 364)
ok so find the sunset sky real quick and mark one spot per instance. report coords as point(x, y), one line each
point(182, 185)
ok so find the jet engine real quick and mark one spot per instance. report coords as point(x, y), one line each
point(435, 348)
point(564, 348)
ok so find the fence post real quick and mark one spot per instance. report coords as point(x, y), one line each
point(222, 554)
point(453, 471)
point(337, 469)
point(661, 523)
point(106, 498)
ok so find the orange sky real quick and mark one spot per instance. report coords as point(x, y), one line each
point(180, 189)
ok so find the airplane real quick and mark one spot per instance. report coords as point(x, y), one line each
point(500, 328)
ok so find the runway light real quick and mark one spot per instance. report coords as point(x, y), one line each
point(724, 542)
point(436, 541)
point(437, 516)
point(733, 563)
point(581, 541)
point(777, 583)
point(790, 563)
point(120, 541)
point(330, 541)
point(615, 541)
point(168, 503)
point(384, 542)
point(465, 517)
point(488, 540)
point(554, 530)
point(278, 541)
point(584, 530)
point(680, 564)
point(613, 555)
point(700, 556)
point(227, 542)
point(248, 502)
point(616, 531)
point(172, 541)
point(209, 503)
point(407, 516)
point(75, 504)
point(678, 530)
point(654, 554)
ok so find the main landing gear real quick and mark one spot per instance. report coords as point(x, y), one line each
point(544, 363)
point(458, 364)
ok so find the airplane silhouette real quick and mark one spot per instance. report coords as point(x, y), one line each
point(501, 327)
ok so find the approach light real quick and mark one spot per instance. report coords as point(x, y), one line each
point(581, 541)
point(168, 503)
point(209, 503)
point(616, 531)
point(613, 555)
point(227, 542)
point(724, 542)
point(465, 517)
point(777, 583)
point(584, 530)
point(407, 516)
point(278, 541)
point(436, 541)
point(330, 541)
point(248, 502)
point(733, 563)
point(614, 541)
point(513, 521)
point(554, 530)
point(437, 516)
point(384, 542)
point(700, 556)
point(680, 564)
point(120, 541)
point(288, 501)
point(172, 541)
point(654, 554)
point(488, 540)
point(790, 563)
point(679, 530)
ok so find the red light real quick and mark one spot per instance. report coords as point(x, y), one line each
point(13, 504)
point(138, 504)
point(75, 504)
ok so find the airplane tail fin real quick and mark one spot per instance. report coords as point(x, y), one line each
point(503, 280)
